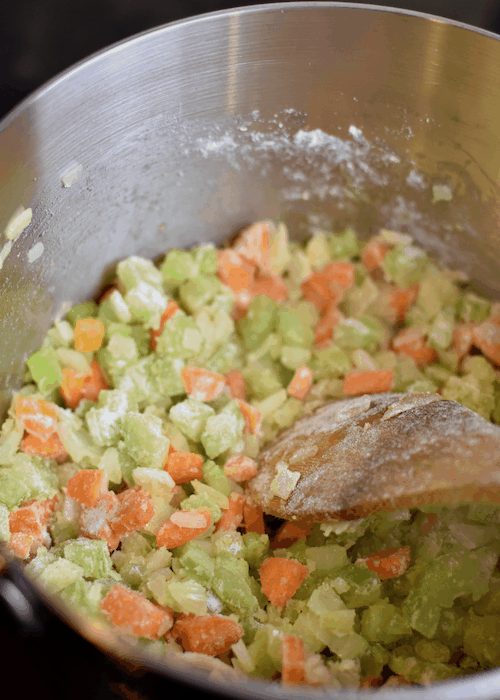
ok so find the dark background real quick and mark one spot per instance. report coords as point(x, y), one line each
point(40, 38)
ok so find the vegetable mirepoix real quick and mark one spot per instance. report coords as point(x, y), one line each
point(124, 460)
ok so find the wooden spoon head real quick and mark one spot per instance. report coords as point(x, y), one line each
point(379, 452)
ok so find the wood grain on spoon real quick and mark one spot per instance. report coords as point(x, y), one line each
point(381, 452)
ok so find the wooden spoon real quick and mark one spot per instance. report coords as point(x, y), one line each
point(378, 452)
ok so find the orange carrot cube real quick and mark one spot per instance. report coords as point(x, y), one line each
point(252, 417)
point(321, 291)
point(183, 526)
point(235, 271)
point(486, 337)
point(135, 614)
point(389, 563)
point(20, 544)
point(51, 447)
point(281, 578)
point(373, 254)
point(37, 417)
point(207, 634)
point(86, 486)
point(236, 383)
point(89, 333)
point(170, 310)
point(292, 659)
point(370, 382)
point(183, 467)
point(290, 532)
point(94, 522)
point(301, 383)
point(323, 330)
point(240, 468)
point(271, 286)
point(232, 517)
point(411, 342)
point(201, 384)
point(135, 510)
point(253, 245)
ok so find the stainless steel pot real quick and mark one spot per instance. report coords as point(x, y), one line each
point(317, 112)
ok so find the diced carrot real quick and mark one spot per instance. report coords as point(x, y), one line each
point(253, 245)
point(183, 467)
point(323, 344)
point(389, 563)
point(399, 300)
point(240, 468)
point(232, 517)
point(51, 447)
point(207, 634)
point(94, 522)
point(183, 526)
point(236, 383)
point(31, 519)
point(281, 578)
point(170, 310)
point(292, 659)
point(20, 543)
point(321, 291)
point(252, 417)
point(135, 510)
point(253, 517)
point(290, 532)
point(340, 273)
point(77, 386)
point(201, 384)
point(242, 300)
point(411, 341)
point(370, 382)
point(371, 682)
point(271, 286)
point(235, 271)
point(463, 338)
point(486, 337)
point(171, 450)
point(396, 681)
point(301, 383)
point(428, 523)
point(373, 254)
point(37, 417)
point(323, 330)
point(86, 486)
point(89, 333)
point(135, 614)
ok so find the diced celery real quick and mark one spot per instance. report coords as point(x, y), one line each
point(189, 596)
point(299, 267)
point(373, 660)
point(80, 596)
point(330, 362)
point(293, 357)
point(441, 332)
point(91, 555)
point(59, 574)
point(167, 374)
point(45, 369)
point(74, 360)
point(61, 334)
point(110, 465)
point(87, 309)
point(179, 265)
point(146, 304)
point(197, 293)
point(214, 494)
point(480, 368)
point(119, 306)
point(324, 600)
point(10, 439)
point(229, 356)
point(361, 332)
point(104, 421)
point(350, 646)
point(270, 348)
point(279, 249)
point(134, 270)
point(121, 352)
point(473, 309)
point(305, 310)
point(471, 393)
point(138, 382)
point(384, 623)
point(28, 477)
point(261, 379)
point(63, 528)
point(306, 627)
point(191, 416)
point(294, 331)
point(77, 441)
point(202, 500)
point(259, 321)
point(256, 548)
point(432, 650)
point(404, 265)
point(230, 541)
point(223, 430)
point(231, 583)
point(156, 482)
point(180, 338)
point(271, 403)
point(197, 562)
point(4, 523)
point(364, 586)
point(327, 558)
point(214, 476)
point(436, 291)
point(318, 250)
point(287, 413)
point(344, 245)
point(205, 255)
point(144, 440)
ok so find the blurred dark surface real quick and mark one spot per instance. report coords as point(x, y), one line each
point(40, 38)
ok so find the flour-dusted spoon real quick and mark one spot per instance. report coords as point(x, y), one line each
point(378, 452)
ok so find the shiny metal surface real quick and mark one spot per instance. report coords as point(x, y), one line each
point(185, 133)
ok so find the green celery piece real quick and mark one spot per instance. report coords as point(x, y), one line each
point(62, 529)
point(231, 584)
point(202, 500)
point(229, 356)
point(45, 369)
point(265, 665)
point(179, 265)
point(480, 368)
point(119, 306)
point(306, 627)
point(214, 476)
point(361, 298)
point(344, 245)
point(279, 249)
point(205, 255)
point(450, 628)
point(28, 477)
point(473, 536)
point(59, 574)
point(438, 374)
point(287, 413)
point(135, 544)
point(472, 308)
point(259, 322)
point(423, 672)
point(139, 383)
point(331, 362)
point(384, 623)
point(406, 373)
point(189, 596)
point(4, 523)
point(146, 303)
point(270, 348)
point(404, 265)
point(324, 600)
point(197, 293)
point(104, 421)
point(119, 354)
point(374, 659)
point(214, 494)
point(10, 439)
point(197, 562)
point(327, 557)
point(134, 270)
point(432, 650)
point(223, 430)
point(318, 250)
point(486, 513)
point(180, 338)
point(361, 332)
point(435, 292)
point(61, 334)
point(86, 309)
point(261, 379)
point(350, 646)
point(91, 555)
point(43, 558)
point(293, 357)
point(294, 331)
point(143, 438)
point(305, 311)
point(364, 586)
point(472, 393)
point(77, 441)
point(299, 267)
point(256, 548)
point(489, 604)
point(441, 332)
point(138, 333)
point(83, 596)
point(191, 416)
point(166, 372)
point(132, 570)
